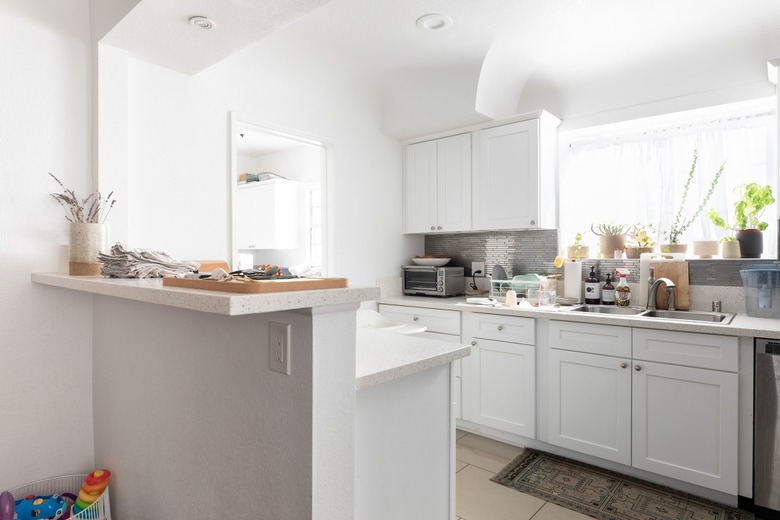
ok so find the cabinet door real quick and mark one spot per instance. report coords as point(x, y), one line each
point(590, 404)
point(685, 424)
point(420, 181)
point(506, 180)
point(499, 386)
point(267, 215)
point(243, 209)
point(454, 183)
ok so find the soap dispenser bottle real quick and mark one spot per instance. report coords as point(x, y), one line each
point(592, 288)
point(623, 292)
point(608, 292)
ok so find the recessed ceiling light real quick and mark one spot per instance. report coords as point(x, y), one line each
point(434, 22)
point(202, 22)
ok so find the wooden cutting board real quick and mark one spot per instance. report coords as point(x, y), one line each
point(678, 273)
point(259, 286)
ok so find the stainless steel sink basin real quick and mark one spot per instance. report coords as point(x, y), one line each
point(712, 317)
point(609, 309)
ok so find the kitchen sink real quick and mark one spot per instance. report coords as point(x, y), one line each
point(712, 317)
point(609, 309)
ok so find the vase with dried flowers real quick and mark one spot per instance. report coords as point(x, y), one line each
point(88, 230)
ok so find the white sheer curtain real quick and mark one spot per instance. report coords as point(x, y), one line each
point(635, 172)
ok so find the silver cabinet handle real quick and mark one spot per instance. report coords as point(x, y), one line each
point(638, 368)
point(500, 327)
point(473, 343)
point(623, 364)
point(416, 318)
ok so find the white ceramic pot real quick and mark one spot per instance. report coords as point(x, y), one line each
point(730, 249)
point(86, 241)
point(706, 248)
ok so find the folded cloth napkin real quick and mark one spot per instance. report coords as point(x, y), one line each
point(142, 263)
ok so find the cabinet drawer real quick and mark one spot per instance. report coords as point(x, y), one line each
point(502, 328)
point(437, 320)
point(595, 339)
point(687, 348)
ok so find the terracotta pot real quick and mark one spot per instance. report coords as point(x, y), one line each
point(706, 248)
point(730, 249)
point(635, 252)
point(608, 244)
point(577, 251)
point(751, 243)
point(674, 248)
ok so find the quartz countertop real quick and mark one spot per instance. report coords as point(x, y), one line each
point(741, 325)
point(385, 356)
point(151, 290)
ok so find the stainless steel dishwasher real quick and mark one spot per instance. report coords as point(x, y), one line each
point(766, 434)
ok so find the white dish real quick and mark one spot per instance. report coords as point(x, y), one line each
point(434, 262)
point(566, 301)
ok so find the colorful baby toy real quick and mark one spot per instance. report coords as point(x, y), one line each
point(94, 485)
point(6, 506)
point(51, 507)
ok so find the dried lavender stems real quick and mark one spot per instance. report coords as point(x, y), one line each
point(93, 209)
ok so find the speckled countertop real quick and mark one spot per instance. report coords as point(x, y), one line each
point(385, 356)
point(741, 325)
point(151, 290)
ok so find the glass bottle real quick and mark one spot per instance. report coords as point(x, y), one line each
point(608, 292)
point(592, 288)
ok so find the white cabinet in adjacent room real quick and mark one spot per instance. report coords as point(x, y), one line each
point(514, 177)
point(499, 383)
point(437, 185)
point(267, 215)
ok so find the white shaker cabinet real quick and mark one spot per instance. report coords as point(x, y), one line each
point(499, 383)
point(514, 176)
point(437, 185)
point(267, 215)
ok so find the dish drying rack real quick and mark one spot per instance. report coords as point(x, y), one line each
point(524, 285)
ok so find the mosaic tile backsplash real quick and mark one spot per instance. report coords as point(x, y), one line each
point(533, 251)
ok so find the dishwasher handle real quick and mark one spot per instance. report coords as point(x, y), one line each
point(768, 346)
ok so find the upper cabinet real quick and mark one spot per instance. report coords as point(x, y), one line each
point(437, 185)
point(267, 215)
point(487, 177)
point(514, 180)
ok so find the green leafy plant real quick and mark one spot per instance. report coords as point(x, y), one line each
point(608, 229)
point(681, 224)
point(753, 200)
point(641, 235)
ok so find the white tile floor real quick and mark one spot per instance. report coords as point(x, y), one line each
point(478, 459)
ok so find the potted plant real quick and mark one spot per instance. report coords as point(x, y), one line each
point(680, 224)
point(750, 205)
point(612, 237)
point(578, 249)
point(640, 240)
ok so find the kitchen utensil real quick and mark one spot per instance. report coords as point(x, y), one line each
point(434, 262)
point(566, 301)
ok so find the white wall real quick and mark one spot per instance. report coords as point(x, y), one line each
point(45, 333)
point(178, 153)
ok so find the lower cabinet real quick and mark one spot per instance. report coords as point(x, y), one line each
point(499, 383)
point(672, 420)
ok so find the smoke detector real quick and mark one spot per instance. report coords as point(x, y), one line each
point(202, 22)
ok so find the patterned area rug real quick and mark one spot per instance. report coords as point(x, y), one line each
point(604, 494)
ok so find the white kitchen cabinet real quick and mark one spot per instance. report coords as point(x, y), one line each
point(499, 378)
point(663, 417)
point(590, 404)
point(514, 176)
point(267, 215)
point(437, 185)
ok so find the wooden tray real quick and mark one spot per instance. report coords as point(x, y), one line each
point(259, 286)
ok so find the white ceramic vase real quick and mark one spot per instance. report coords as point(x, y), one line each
point(86, 241)
point(730, 249)
point(706, 248)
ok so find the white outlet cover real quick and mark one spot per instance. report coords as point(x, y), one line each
point(279, 347)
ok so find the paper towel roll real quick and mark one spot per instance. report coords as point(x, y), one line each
point(572, 279)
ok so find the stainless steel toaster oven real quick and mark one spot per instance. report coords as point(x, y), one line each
point(433, 281)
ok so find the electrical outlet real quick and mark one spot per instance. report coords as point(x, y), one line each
point(478, 266)
point(279, 347)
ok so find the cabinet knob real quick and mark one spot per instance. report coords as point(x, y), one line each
point(638, 368)
point(433, 228)
point(500, 327)
point(473, 343)
point(416, 318)
point(438, 227)
point(623, 364)
point(533, 222)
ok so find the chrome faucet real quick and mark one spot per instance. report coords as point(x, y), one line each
point(653, 288)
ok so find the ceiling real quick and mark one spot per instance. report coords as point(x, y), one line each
point(509, 47)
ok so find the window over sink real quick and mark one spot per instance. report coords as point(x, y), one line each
point(635, 171)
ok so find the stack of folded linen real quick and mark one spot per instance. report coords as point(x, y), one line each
point(142, 263)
